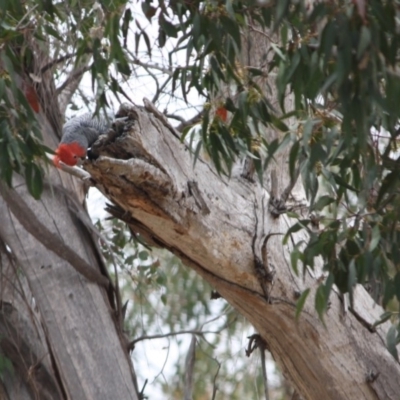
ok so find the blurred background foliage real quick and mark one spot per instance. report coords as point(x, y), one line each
point(170, 303)
point(340, 62)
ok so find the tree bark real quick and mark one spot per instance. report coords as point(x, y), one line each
point(222, 228)
point(79, 323)
point(59, 329)
point(22, 339)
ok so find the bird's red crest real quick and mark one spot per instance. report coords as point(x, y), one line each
point(222, 112)
point(68, 153)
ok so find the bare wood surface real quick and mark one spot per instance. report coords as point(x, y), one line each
point(331, 362)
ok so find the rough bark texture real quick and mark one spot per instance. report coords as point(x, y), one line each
point(89, 360)
point(218, 227)
point(22, 339)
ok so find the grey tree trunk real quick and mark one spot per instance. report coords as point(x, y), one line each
point(59, 329)
point(219, 227)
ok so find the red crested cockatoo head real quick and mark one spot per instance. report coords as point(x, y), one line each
point(69, 154)
point(79, 133)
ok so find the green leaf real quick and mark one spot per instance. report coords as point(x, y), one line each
point(52, 32)
point(232, 27)
point(129, 260)
point(175, 77)
point(196, 30)
point(365, 40)
point(375, 239)
point(278, 51)
point(340, 181)
point(307, 131)
point(197, 152)
point(143, 255)
point(227, 138)
point(300, 303)
point(329, 82)
point(327, 41)
point(295, 228)
point(320, 302)
point(255, 71)
point(294, 258)
point(389, 183)
point(229, 8)
point(317, 154)
point(147, 41)
point(322, 202)
point(37, 182)
point(383, 318)
point(278, 123)
point(281, 9)
point(215, 67)
point(125, 24)
point(351, 280)
point(148, 10)
point(162, 38)
point(137, 42)
point(169, 29)
point(293, 158)
point(397, 285)
point(243, 105)
point(391, 341)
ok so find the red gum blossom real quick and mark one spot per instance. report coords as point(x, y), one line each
point(68, 153)
point(222, 112)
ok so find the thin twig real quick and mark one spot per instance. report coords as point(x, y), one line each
point(73, 77)
point(285, 194)
point(161, 336)
point(192, 121)
point(160, 89)
point(189, 367)
point(215, 387)
point(264, 368)
point(123, 92)
point(18, 26)
point(174, 116)
point(61, 59)
point(256, 341)
point(251, 27)
point(147, 66)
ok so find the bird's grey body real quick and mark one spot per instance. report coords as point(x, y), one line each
point(85, 129)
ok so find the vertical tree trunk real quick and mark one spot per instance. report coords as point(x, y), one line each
point(23, 341)
point(77, 349)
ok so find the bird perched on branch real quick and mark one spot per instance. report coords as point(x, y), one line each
point(79, 133)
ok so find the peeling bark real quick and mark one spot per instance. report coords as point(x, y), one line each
point(147, 172)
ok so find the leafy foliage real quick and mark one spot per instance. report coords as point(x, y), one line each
point(340, 62)
point(71, 32)
point(340, 77)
